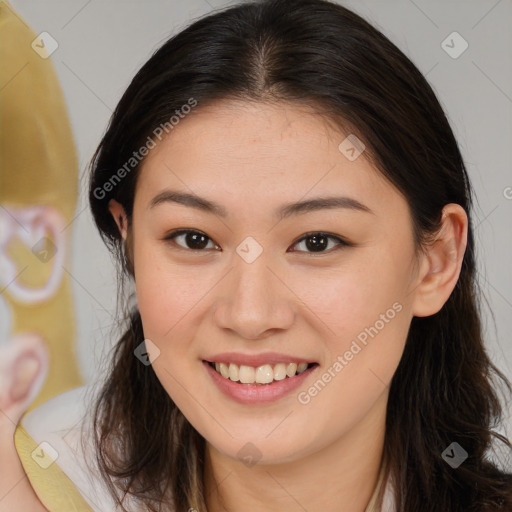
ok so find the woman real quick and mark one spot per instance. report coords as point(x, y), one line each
point(284, 188)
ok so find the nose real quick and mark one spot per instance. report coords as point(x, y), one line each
point(255, 301)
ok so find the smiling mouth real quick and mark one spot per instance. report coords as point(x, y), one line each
point(265, 374)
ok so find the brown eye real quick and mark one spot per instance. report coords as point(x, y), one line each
point(190, 239)
point(318, 242)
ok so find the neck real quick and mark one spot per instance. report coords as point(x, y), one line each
point(340, 477)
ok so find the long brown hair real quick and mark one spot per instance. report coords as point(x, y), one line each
point(318, 53)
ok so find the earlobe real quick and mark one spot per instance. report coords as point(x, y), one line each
point(441, 262)
point(117, 211)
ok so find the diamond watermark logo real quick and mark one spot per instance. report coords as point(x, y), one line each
point(249, 454)
point(146, 352)
point(44, 45)
point(44, 249)
point(454, 455)
point(249, 250)
point(454, 45)
point(45, 455)
point(351, 147)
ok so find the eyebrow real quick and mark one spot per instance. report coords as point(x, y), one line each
point(287, 210)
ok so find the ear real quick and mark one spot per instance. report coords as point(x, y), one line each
point(117, 211)
point(441, 262)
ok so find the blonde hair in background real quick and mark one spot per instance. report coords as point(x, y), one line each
point(38, 195)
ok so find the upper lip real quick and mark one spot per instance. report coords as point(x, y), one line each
point(256, 360)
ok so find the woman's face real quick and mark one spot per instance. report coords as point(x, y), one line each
point(258, 286)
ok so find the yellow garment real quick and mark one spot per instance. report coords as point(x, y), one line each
point(38, 167)
point(54, 489)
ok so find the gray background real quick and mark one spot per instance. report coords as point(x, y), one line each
point(103, 43)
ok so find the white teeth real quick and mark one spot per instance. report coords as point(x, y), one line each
point(279, 371)
point(246, 374)
point(291, 369)
point(264, 374)
point(233, 372)
point(224, 370)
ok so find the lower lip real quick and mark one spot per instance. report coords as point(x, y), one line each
point(257, 393)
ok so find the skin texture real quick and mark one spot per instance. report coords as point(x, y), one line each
point(251, 158)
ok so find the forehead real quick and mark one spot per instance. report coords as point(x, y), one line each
point(255, 153)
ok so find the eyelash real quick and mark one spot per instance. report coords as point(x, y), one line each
point(341, 242)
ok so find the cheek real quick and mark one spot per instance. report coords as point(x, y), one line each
point(353, 296)
point(361, 363)
point(166, 293)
